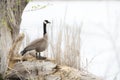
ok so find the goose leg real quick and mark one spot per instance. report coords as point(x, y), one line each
point(41, 57)
point(36, 55)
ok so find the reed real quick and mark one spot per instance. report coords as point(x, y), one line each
point(65, 48)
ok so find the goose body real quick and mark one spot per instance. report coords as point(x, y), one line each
point(39, 44)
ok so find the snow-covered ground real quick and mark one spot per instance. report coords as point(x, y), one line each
point(100, 36)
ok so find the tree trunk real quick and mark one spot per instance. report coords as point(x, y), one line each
point(10, 18)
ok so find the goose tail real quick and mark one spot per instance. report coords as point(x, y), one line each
point(23, 52)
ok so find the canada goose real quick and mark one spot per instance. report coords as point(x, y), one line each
point(39, 44)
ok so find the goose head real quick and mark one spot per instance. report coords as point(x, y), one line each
point(46, 22)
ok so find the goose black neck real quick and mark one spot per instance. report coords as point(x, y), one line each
point(44, 29)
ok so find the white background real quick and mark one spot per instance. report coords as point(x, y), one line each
point(100, 36)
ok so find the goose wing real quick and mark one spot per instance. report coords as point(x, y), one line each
point(34, 44)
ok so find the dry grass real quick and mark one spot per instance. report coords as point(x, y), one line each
point(13, 55)
point(65, 49)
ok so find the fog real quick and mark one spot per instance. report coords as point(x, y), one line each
point(100, 31)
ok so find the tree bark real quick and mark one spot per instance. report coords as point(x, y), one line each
point(10, 18)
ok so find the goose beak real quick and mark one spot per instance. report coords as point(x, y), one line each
point(49, 22)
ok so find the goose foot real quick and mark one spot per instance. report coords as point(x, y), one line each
point(42, 58)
